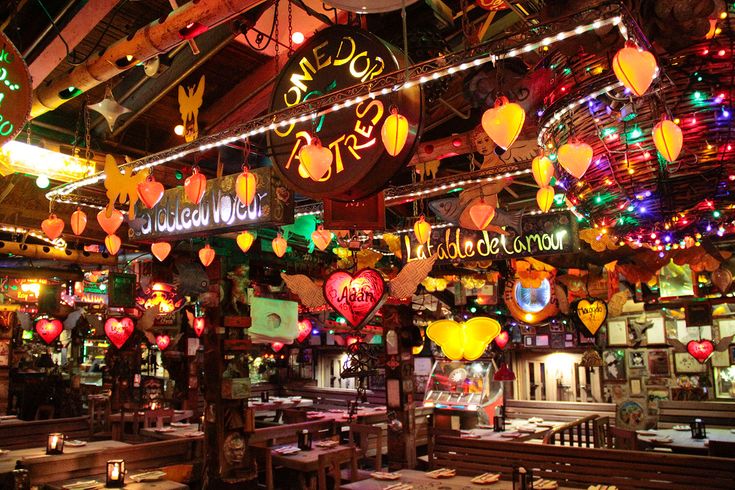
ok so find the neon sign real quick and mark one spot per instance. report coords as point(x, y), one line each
point(220, 208)
point(542, 235)
point(355, 297)
point(15, 90)
point(334, 59)
point(164, 296)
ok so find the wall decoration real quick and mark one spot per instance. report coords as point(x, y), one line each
point(119, 330)
point(656, 335)
point(542, 235)
point(530, 305)
point(220, 208)
point(658, 363)
point(720, 359)
point(637, 359)
point(273, 320)
point(637, 327)
point(655, 394)
point(109, 108)
point(684, 363)
point(335, 58)
point(190, 100)
point(356, 297)
point(590, 312)
point(15, 91)
point(467, 340)
point(701, 350)
point(614, 367)
point(631, 414)
point(161, 295)
point(121, 188)
point(49, 329)
point(635, 386)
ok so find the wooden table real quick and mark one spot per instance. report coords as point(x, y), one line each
point(118, 420)
point(152, 485)
point(275, 403)
point(305, 463)
point(364, 415)
point(7, 460)
point(188, 431)
point(682, 439)
point(420, 481)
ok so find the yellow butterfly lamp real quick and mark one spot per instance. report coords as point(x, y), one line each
point(467, 340)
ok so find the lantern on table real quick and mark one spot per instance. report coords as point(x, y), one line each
point(55, 443)
point(699, 431)
point(304, 440)
point(115, 473)
point(522, 478)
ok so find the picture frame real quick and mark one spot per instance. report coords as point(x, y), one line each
point(684, 363)
point(731, 348)
point(5, 353)
point(613, 369)
point(636, 387)
point(542, 340)
point(658, 363)
point(617, 333)
point(656, 335)
point(655, 394)
point(727, 327)
point(637, 359)
point(720, 359)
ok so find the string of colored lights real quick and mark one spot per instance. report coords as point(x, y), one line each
point(338, 100)
point(17, 230)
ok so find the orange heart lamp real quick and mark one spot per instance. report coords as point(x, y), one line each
point(245, 186)
point(112, 244)
point(394, 132)
point(245, 241)
point(110, 223)
point(545, 198)
point(206, 255)
point(321, 238)
point(422, 230)
point(52, 226)
point(194, 186)
point(150, 192)
point(279, 245)
point(161, 250)
point(504, 122)
point(78, 221)
point(575, 158)
point(542, 169)
point(315, 159)
point(635, 68)
point(481, 214)
point(668, 138)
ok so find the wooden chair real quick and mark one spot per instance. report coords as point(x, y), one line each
point(262, 453)
point(361, 436)
point(601, 429)
point(180, 473)
point(150, 417)
point(293, 416)
point(99, 415)
point(331, 462)
point(44, 412)
point(624, 439)
point(578, 433)
point(134, 434)
point(722, 449)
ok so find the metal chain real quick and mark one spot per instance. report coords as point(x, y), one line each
point(290, 28)
point(276, 36)
point(28, 133)
point(87, 133)
point(75, 143)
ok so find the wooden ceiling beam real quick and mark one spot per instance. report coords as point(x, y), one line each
point(73, 33)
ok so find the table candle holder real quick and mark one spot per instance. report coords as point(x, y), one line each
point(522, 478)
point(55, 443)
point(699, 430)
point(21, 479)
point(304, 440)
point(115, 473)
point(498, 423)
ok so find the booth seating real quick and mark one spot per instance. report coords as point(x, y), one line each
point(574, 466)
point(94, 463)
point(23, 434)
point(715, 414)
point(562, 411)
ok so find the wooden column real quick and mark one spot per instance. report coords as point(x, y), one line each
point(399, 388)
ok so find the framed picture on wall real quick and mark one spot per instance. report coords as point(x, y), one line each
point(635, 386)
point(637, 359)
point(617, 333)
point(656, 334)
point(658, 363)
point(720, 359)
point(684, 363)
point(5, 353)
point(613, 369)
point(732, 354)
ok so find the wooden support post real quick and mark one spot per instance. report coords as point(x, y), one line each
point(399, 388)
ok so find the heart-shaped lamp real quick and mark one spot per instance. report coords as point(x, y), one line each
point(119, 330)
point(481, 214)
point(635, 68)
point(198, 325)
point(49, 330)
point(304, 329)
point(545, 198)
point(277, 346)
point(422, 230)
point(575, 158)
point(592, 312)
point(245, 186)
point(279, 245)
point(245, 241)
point(161, 250)
point(503, 123)
point(394, 132)
point(315, 159)
point(206, 255)
point(110, 223)
point(321, 238)
point(502, 339)
point(194, 186)
point(542, 169)
point(78, 221)
point(112, 244)
point(163, 341)
point(355, 297)
point(52, 226)
point(668, 138)
point(150, 192)
point(701, 350)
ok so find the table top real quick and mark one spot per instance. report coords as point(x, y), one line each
point(303, 461)
point(682, 439)
point(178, 416)
point(276, 403)
point(511, 432)
point(7, 460)
point(154, 485)
point(188, 431)
point(340, 415)
point(420, 481)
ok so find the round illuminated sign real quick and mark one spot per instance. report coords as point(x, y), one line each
point(530, 305)
point(332, 60)
point(15, 91)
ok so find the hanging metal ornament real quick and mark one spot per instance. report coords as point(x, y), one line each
point(109, 108)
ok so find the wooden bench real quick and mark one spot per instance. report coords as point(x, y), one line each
point(561, 411)
point(23, 434)
point(574, 466)
point(138, 456)
point(714, 414)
